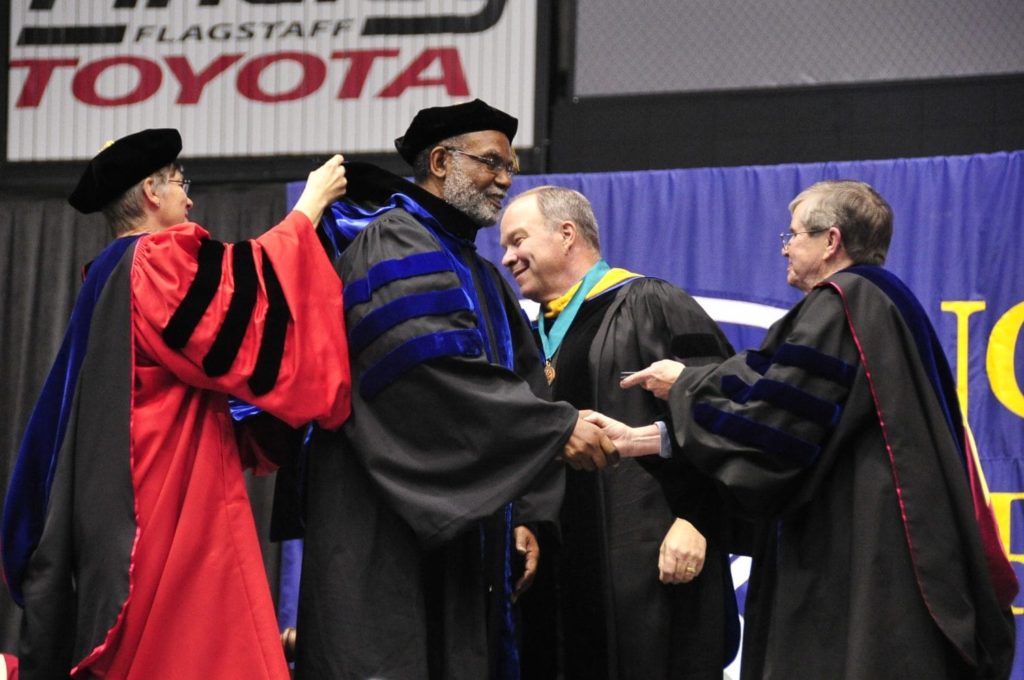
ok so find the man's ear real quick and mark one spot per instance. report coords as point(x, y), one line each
point(834, 245)
point(149, 191)
point(439, 162)
point(569, 234)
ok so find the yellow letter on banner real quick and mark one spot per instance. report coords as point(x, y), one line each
point(963, 309)
point(1002, 504)
point(1000, 359)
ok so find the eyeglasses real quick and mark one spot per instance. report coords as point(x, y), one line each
point(185, 184)
point(492, 163)
point(787, 236)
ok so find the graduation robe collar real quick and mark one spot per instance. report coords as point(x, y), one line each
point(611, 280)
point(372, 190)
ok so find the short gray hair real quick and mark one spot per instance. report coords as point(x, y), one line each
point(863, 217)
point(421, 164)
point(559, 204)
point(124, 214)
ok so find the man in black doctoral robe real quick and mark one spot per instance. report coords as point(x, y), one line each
point(450, 425)
point(619, 621)
point(843, 430)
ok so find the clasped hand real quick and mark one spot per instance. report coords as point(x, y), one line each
point(588, 447)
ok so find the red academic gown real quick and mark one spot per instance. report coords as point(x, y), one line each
point(196, 602)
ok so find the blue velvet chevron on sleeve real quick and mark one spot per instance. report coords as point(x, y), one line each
point(790, 401)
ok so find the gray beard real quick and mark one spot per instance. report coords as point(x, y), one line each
point(460, 193)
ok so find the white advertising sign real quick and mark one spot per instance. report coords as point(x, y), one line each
point(258, 77)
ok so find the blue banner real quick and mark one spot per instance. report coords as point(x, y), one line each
point(714, 232)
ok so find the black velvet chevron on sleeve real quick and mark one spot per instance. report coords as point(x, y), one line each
point(204, 286)
point(268, 362)
point(236, 321)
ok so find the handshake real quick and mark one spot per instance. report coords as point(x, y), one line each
point(589, 448)
point(598, 440)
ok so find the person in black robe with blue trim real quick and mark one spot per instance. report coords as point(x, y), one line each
point(882, 558)
point(413, 544)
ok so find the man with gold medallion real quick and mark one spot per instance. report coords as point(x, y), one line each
point(622, 542)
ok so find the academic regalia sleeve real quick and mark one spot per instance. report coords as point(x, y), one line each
point(448, 436)
point(260, 319)
point(757, 422)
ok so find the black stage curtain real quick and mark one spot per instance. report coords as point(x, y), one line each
point(43, 245)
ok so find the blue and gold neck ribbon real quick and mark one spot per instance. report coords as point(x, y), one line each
point(551, 340)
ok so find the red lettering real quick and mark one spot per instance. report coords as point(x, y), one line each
point(39, 72)
point(443, 64)
point(84, 84)
point(452, 76)
point(362, 61)
point(192, 83)
point(314, 71)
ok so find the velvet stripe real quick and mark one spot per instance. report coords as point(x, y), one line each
point(199, 296)
point(383, 273)
point(383, 319)
point(758, 361)
point(500, 330)
point(236, 320)
point(508, 662)
point(816, 363)
point(781, 395)
point(275, 330)
point(753, 434)
point(462, 342)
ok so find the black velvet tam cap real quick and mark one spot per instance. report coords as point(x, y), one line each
point(441, 122)
point(122, 165)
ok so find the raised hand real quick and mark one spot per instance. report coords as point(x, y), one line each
point(324, 185)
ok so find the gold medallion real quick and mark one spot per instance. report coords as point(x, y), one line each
point(549, 372)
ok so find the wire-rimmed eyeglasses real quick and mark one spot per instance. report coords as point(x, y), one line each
point(492, 163)
point(185, 184)
point(787, 236)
